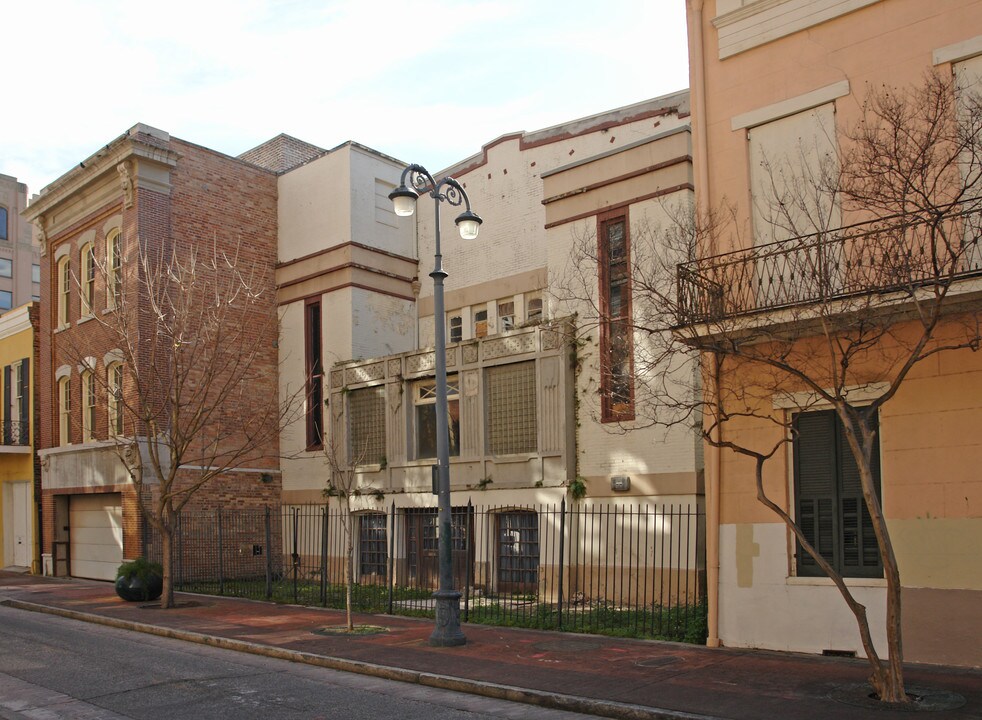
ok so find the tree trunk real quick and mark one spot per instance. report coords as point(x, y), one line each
point(167, 561)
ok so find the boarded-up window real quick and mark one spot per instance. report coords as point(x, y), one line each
point(791, 161)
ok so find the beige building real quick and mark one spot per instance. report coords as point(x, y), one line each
point(537, 417)
point(776, 85)
point(20, 269)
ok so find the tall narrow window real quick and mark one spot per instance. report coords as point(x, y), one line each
point(424, 399)
point(87, 287)
point(616, 344)
point(114, 384)
point(6, 300)
point(456, 327)
point(829, 504)
point(64, 412)
point(64, 290)
point(88, 405)
point(114, 269)
point(506, 315)
point(313, 347)
point(4, 235)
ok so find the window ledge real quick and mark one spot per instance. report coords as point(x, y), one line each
point(61, 328)
point(85, 319)
point(826, 582)
point(369, 468)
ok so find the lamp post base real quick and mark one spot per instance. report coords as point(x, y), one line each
point(447, 632)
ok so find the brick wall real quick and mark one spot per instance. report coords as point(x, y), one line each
point(218, 205)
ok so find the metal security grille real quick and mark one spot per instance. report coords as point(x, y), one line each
point(366, 413)
point(511, 408)
point(518, 551)
point(373, 556)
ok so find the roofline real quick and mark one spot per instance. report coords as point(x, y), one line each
point(653, 107)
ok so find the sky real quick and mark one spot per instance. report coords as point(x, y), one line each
point(424, 81)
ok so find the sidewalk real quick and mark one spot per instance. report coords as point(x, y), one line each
point(610, 677)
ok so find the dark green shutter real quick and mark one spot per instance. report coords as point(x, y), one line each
point(860, 556)
point(25, 399)
point(7, 430)
point(815, 481)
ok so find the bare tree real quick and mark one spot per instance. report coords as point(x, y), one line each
point(834, 316)
point(344, 485)
point(192, 393)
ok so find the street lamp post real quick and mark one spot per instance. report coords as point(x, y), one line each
point(447, 632)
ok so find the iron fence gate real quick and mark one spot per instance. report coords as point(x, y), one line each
point(596, 568)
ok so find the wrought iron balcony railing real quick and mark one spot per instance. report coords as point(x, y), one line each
point(901, 253)
point(16, 432)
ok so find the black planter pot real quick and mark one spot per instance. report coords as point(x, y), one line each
point(134, 589)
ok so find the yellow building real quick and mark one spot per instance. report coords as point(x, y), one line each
point(18, 470)
point(778, 89)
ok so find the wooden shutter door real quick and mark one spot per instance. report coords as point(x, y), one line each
point(860, 555)
point(815, 481)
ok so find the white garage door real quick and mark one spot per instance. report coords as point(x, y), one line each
point(96, 535)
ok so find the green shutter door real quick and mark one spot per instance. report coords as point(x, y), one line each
point(815, 481)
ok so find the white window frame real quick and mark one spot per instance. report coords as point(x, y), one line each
point(64, 410)
point(114, 398)
point(114, 268)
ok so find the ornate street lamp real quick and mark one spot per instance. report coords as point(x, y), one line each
point(447, 632)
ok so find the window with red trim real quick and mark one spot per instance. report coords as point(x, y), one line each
point(616, 341)
point(315, 374)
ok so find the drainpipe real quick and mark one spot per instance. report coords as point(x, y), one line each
point(713, 465)
point(697, 100)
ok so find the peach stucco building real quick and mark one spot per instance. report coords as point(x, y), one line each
point(773, 77)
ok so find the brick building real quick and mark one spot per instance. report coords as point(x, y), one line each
point(144, 195)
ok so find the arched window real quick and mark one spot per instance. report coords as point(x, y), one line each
point(114, 269)
point(88, 405)
point(64, 412)
point(64, 290)
point(114, 384)
point(87, 281)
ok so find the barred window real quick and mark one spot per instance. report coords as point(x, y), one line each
point(511, 408)
point(518, 551)
point(373, 556)
point(366, 425)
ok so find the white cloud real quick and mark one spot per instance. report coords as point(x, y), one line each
point(423, 80)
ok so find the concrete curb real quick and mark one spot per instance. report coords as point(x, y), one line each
point(556, 701)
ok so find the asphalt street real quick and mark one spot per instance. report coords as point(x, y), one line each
point(57, 669)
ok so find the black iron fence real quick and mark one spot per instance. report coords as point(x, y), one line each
point(899, 253)
point(614, 569)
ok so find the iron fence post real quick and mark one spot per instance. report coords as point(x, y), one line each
point(221, 557)
point(562, 551)
point(323, 560)
point(392, 546)
point(467, 560)
point(295, 556)
point(269, 554)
